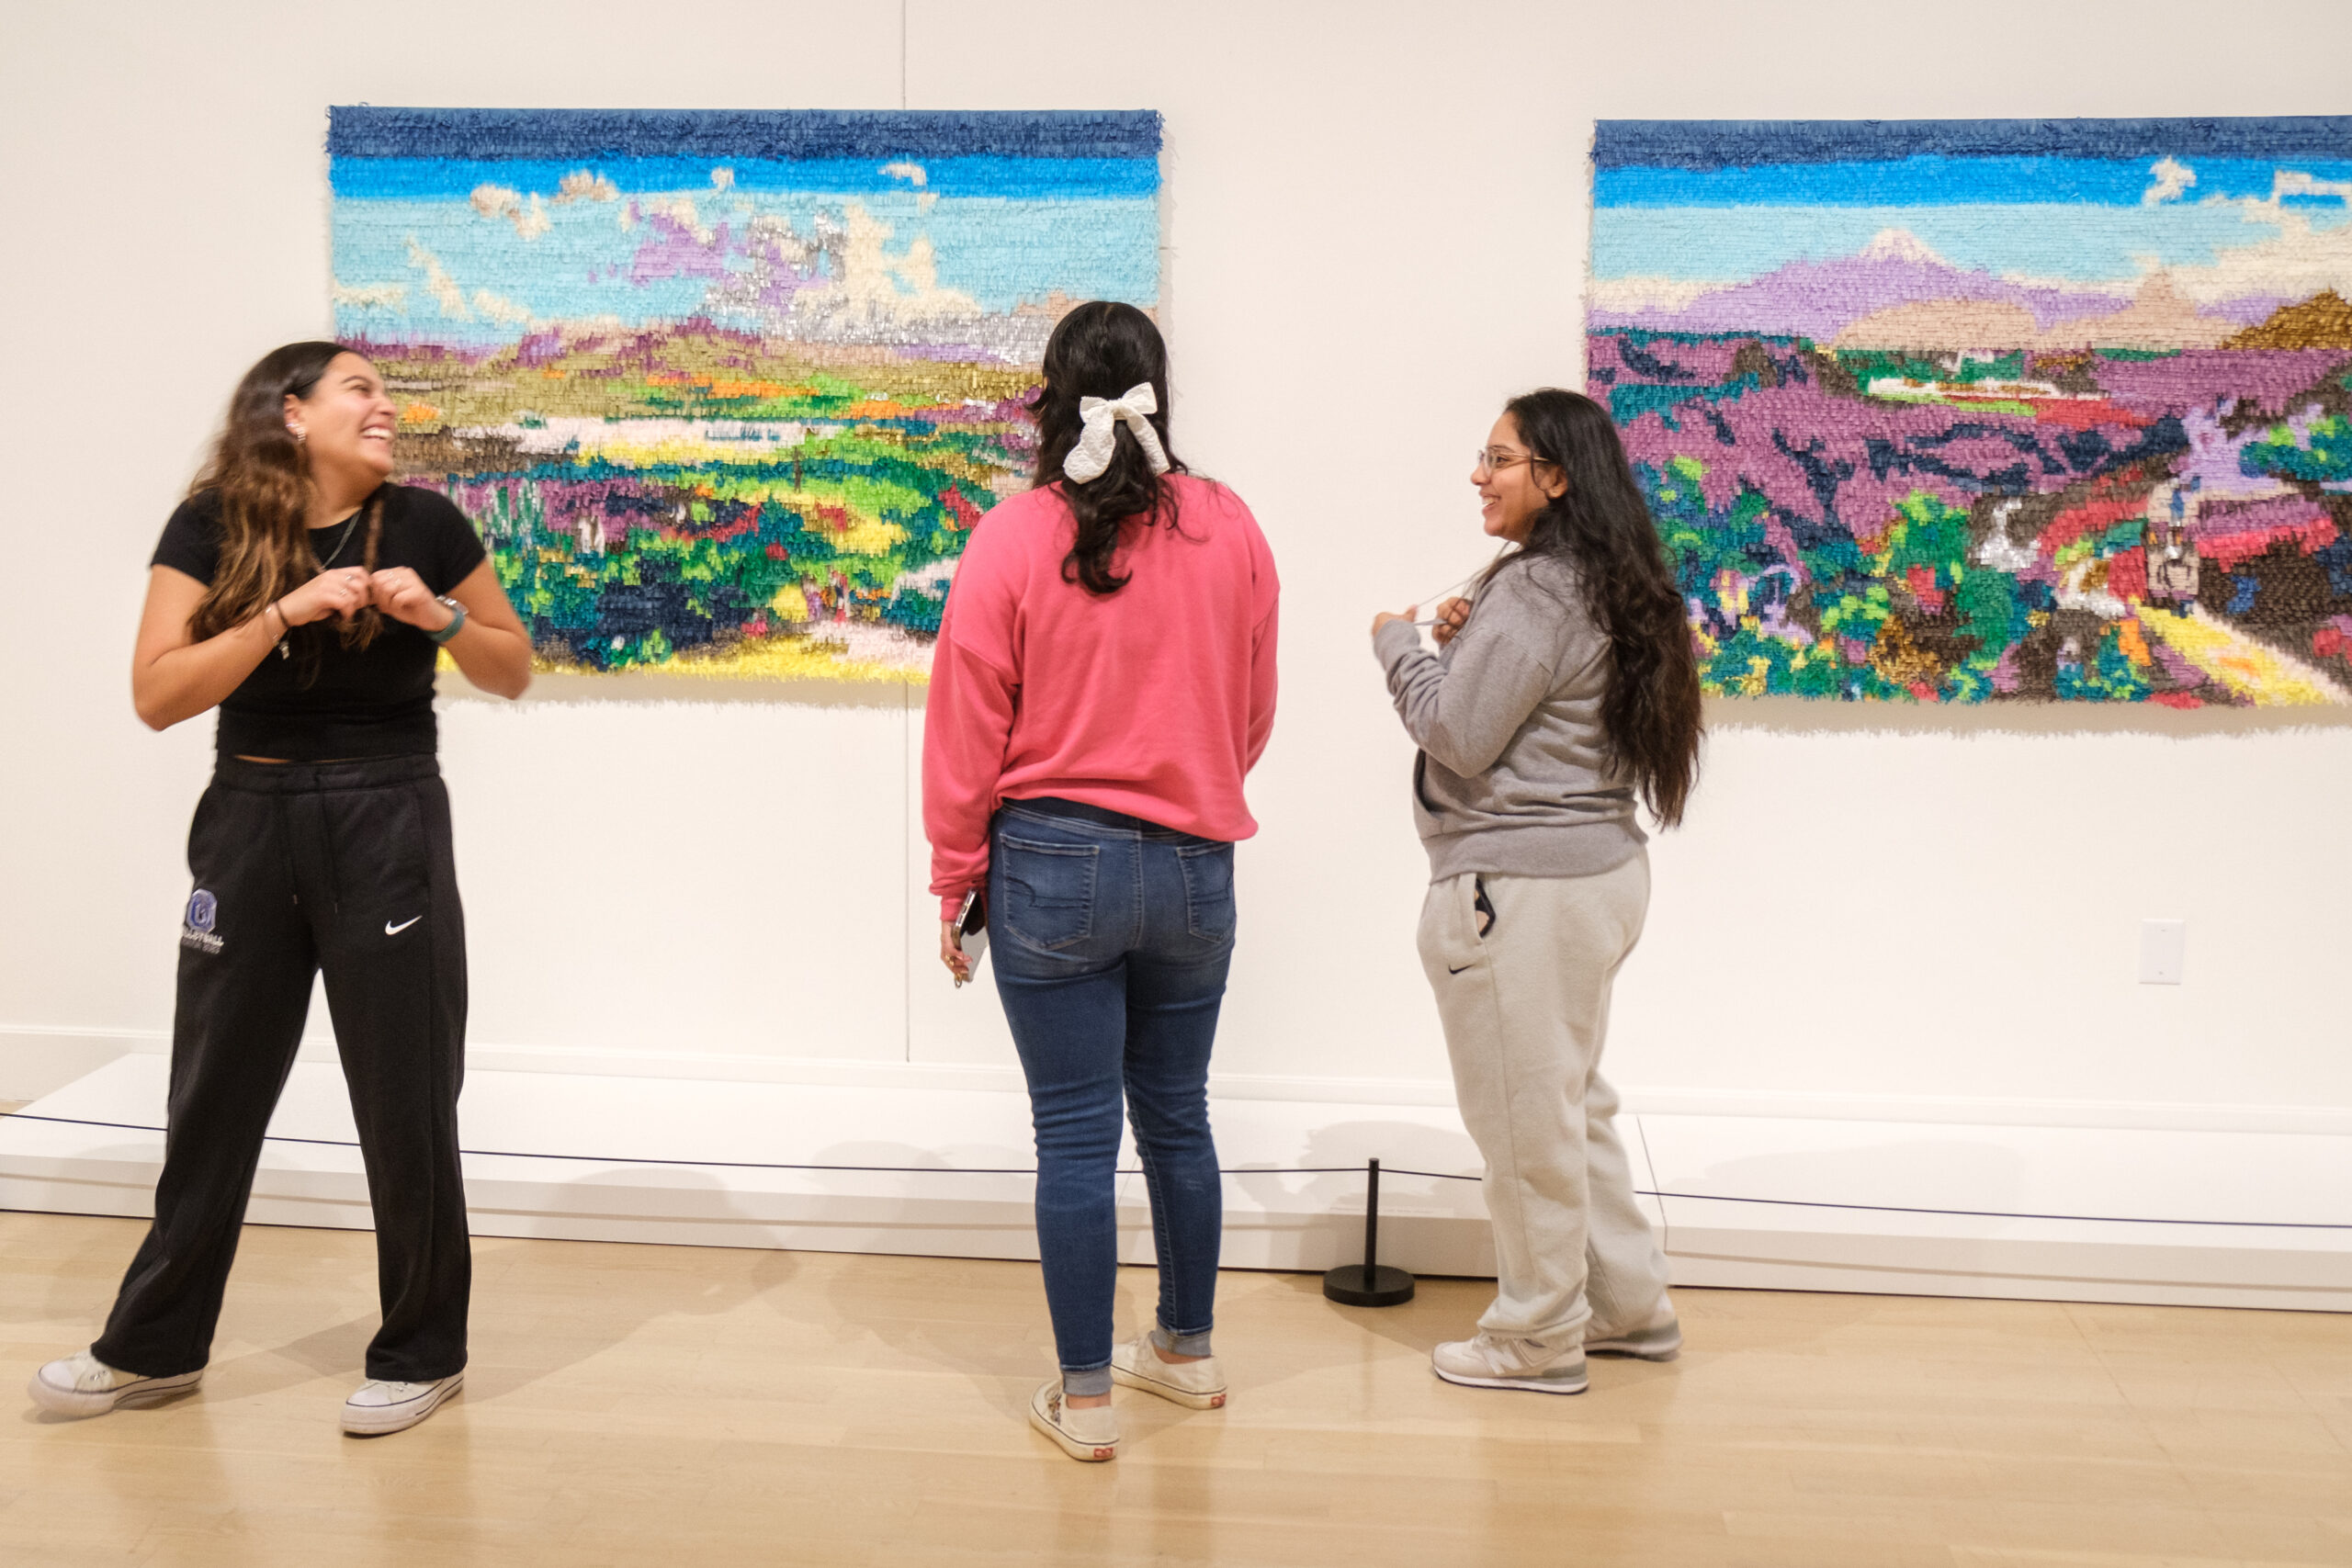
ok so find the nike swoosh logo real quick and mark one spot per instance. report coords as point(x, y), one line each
point(391, 930)
point(1451, 970)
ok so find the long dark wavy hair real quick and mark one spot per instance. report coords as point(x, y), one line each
point(261, 477)
point(1100, 350)
point(1650, 719)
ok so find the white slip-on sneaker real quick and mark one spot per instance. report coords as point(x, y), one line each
point(1660, 1339)
point(81, 1385)
point(1489, 1363)
point(1089, 1435)
point(1200, 1385)
point(381, 1406)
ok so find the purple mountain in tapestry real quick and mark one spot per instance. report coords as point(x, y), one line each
point(1966, 411)
point(1822, 299)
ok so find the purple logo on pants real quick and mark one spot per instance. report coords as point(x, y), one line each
point(203, 909)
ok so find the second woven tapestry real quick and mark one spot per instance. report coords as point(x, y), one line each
point(1966, 411)
point(725, 392)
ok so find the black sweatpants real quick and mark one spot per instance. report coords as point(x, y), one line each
point(298, 867)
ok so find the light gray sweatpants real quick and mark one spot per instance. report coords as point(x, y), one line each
point(1526, 1008)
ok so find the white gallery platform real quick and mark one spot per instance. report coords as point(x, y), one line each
point(2240, 1219)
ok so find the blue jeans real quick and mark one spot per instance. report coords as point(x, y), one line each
point(1111, 938)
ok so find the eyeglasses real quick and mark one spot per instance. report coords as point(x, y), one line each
point(1494, 459)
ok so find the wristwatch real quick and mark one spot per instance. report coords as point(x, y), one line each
point(456, 619)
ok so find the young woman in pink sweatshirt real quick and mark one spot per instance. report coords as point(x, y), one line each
point(1103, 680)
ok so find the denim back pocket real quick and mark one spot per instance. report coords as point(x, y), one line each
point(1208, 890)
point(1048, 891)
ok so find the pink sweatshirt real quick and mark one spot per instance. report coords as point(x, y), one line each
point(1154, 701)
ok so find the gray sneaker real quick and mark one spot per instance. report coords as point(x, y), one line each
point(1660, 1339)
point(1489, 1363)
point(81, 1385)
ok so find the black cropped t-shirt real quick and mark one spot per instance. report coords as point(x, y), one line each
point(325, 700)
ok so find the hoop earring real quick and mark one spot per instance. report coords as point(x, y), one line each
point(295, 432)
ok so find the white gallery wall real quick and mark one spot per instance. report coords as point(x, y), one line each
point(1375, 220)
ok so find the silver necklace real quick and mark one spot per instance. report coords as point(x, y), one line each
point(284, 650)
point(347, 530)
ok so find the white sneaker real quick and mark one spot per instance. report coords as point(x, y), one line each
point(81, 1385)
point(1197, 1383)
point(1089, 1435)
point(1490, 1362)
point(379, 1406)
point(1660, 1339)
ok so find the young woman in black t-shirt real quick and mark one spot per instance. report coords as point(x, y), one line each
point(306, 597)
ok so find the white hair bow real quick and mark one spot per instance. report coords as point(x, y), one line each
point(1102, 415)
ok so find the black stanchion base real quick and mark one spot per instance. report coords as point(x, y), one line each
point(1386, 1288)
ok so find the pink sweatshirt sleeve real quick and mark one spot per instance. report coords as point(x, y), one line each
point(1261, 688)
point(1266, 597)
point(968, 718)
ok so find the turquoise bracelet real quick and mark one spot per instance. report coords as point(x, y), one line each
point(456, 620)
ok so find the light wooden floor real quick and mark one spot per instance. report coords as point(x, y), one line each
point(704, 1407)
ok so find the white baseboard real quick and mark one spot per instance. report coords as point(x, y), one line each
point(1750, 1274)
point(35, 1059)
point(2226, 1218)
point(2189, 1217)
point(613, 1160)
point(35, 1062)
point(2172, 1116)
point(1909, 1252)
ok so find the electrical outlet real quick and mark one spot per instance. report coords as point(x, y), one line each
point(2163, 952)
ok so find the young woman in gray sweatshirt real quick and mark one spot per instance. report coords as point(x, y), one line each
point(1565, 689)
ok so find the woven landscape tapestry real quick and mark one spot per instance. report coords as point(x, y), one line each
point(1968, 410)
point(725, 392)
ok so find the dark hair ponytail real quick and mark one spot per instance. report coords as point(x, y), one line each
point(1651, 719)
point(1100, 350)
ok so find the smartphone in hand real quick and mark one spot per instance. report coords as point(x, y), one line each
point(972, 929)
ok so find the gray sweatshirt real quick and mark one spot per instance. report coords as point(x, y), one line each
point(1511, 778)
